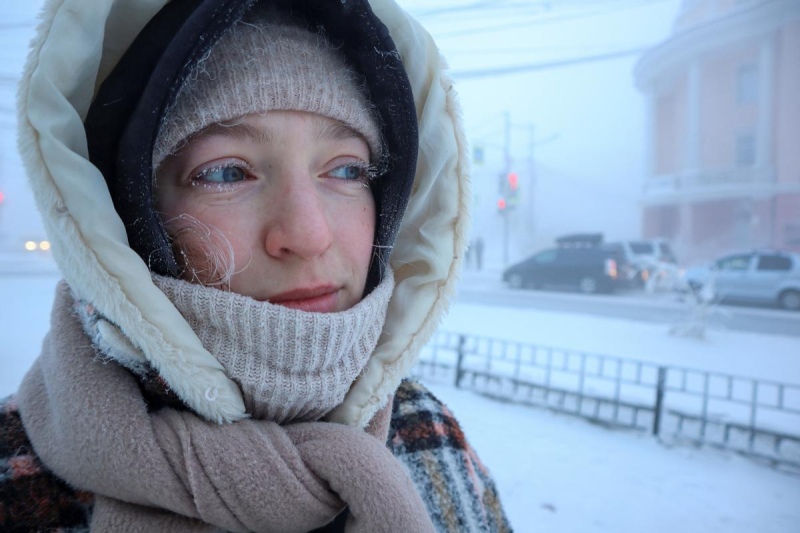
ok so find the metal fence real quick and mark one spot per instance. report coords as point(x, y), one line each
point(758, 418)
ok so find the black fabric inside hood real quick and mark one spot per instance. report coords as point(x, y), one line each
point(124, 118)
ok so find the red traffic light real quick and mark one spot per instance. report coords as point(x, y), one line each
point(513, 181)
point(501, 204)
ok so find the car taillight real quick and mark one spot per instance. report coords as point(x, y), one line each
point(611, 268)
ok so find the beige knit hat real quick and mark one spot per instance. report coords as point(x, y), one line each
point(260, 67)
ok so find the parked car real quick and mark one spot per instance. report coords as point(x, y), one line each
point(590, 269)
point(653, 263)
point(653, 251)
point(650, 262)
point(579, 240)
point(770, 277)
point(634, 273)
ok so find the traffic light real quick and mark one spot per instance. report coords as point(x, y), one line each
point(501, 205)
point(513, 181)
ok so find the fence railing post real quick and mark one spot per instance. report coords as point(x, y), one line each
point(661, 383)
point(753, 408)
point(462, 340)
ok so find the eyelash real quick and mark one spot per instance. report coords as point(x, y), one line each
point(199, 178)
point(367, 173)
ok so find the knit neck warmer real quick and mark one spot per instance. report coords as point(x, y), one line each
point(291, 365)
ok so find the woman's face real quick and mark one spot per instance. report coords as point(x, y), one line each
point(281, 201)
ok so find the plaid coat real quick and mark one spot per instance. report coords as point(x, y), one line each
point(457, 489)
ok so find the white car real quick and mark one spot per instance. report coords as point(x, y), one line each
point(770, 277)
point(653, 251)
point(653, 265)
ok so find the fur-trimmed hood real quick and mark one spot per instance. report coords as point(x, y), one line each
point(76, 47)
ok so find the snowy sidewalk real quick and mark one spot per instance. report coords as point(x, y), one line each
point(558, 473)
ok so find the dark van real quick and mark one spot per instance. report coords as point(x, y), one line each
point(589, 269)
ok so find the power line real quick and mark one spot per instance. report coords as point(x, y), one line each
point(451, 9)
point(530, 49)
point(499, 6)
point(538, 20)
point(495, 14)
point(545, 65)
point(17, 25)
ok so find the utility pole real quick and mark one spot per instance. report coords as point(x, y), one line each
point(506, 171)
point(508, 186)
point(531, 226)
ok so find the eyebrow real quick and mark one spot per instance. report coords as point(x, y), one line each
point(335, 131)
point(237, 131)
point(323, 131)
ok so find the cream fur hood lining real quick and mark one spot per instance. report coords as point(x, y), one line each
point(75, 48)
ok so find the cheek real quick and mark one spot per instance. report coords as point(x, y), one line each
point(236, 225)
point(210, 243)
point(231, 219)
point(361, 236)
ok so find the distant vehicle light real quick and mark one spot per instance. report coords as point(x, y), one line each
point(44, 245)
point(31, 246)
point(611, 268)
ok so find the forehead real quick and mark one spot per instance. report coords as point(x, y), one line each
point(265, 128)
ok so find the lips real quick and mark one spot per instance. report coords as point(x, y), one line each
point(315, 300)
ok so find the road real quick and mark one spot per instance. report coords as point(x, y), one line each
point(486, 288)
point(662, 308)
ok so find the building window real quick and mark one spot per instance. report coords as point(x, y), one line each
point(791, 234)
point(745, 150)
point(747, 84)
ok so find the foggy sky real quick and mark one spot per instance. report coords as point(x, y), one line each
point(590, 166)
point(588, 173)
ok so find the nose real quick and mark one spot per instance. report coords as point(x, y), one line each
point(299, 224)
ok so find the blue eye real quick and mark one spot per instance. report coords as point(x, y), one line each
point(349, 172)
point(223, 174)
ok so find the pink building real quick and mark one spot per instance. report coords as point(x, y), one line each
point(723, 96)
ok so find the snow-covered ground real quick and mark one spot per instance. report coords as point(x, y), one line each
point(554, 472)
point(557, 473)
point(769, 357)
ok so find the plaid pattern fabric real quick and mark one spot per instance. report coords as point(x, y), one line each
point(424, 435)
point(457, 488)
point(31, 498)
